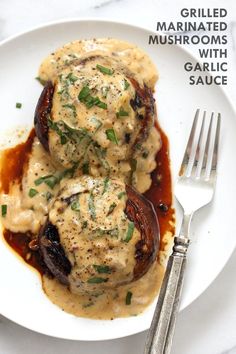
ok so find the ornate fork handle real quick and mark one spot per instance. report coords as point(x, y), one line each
point(160, 335)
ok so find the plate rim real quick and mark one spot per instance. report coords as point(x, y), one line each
point(190, 54)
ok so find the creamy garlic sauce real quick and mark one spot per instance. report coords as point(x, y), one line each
point(29, 204)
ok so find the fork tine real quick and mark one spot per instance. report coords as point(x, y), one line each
point(199, 144)
point(189, 145)
point(207, 147)
point(215, 149)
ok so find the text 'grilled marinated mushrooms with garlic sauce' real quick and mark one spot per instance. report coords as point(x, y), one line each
point(87, 198)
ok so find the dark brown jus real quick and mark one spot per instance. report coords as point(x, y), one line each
point(141, 211)
point(14, 161)
point(42, 111)
point(160, 192)
point(138, 209)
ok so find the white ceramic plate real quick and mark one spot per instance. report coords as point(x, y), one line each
point(21, 297)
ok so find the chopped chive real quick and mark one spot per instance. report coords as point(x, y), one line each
point(129, 232)
point(91, 206)
point(96, 280)
point(111, 208)
point(85, 168)
point(105, 185)
point(75, 206)
point(72, 78)
point(18, 105)
point(104, 70)
point(126, 84)
point(121, 194)
point(4, 209)
point(84, 93)
point(122, 113)
point(102, 105)
point(32, 192)
point(42, 82)
point(49, 180)
point(128, 298)
point(102, 269)
point(111, 135)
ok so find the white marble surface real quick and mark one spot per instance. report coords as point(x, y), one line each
point(208, 325)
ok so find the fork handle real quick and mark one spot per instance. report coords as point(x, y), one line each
point(161, 332)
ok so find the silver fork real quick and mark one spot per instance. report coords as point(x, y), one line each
point(194, 189)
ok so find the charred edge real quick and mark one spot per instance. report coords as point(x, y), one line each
point(42, 111)
point(53, 254)
point(141, 212)
point(143, 98)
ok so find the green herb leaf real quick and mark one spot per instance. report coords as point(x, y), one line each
point(97, 280)
point(121, 194)
point(85, 168)
point(49, 180)
point(122, 113)
point(126, 84)
point(32, 192)
point(129, 232)
point(42, 82)
point(111, 135)
point(105, 184)
point(72, 78)
point(102, 269)
point(84, 224)
point(111, 208)
point(84, 93)
point(75, 206)
point(48, 196)
point(100, 155)
point(4, 210)
point(18, 105)
point(91, 206)
point(128, 298)
point(104, 70)
point(102, 105)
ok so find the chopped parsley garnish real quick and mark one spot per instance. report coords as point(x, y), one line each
point(126, 84)
point(90, 101)
point(111, 208)
point(32, 192)
point(85, 168)
point(18, 105)
point(105, 185)
point(104, 70)
point(75, 206)
point(97, 280)
point(55, 127)
point(129, 232)
point(121, 194)
point(49, 180)
point(4, 209)
point(101, 153)
point(72, 78)
point(42, 82)
point(128, 298)
point(122, 113)
point(111, 135)
point(91, 206)
point(102, 269)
